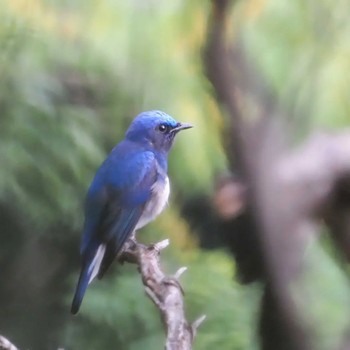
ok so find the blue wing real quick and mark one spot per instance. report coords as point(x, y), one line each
point(115, 202)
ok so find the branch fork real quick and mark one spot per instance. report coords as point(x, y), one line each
point(165, 292)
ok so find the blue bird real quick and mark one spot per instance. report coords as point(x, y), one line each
point(129, 190)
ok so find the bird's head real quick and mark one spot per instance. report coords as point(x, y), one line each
point(156, 129)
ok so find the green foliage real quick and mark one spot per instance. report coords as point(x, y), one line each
point(72, 77)
point(322, 293)
point(303, 49)
point(80, 83)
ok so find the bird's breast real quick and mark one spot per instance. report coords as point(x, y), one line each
point(159, 199)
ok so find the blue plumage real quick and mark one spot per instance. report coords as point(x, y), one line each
point(129, 190)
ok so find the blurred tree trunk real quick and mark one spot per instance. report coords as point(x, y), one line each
point(287, 191)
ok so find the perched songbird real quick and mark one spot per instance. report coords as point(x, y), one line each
point(129, 190)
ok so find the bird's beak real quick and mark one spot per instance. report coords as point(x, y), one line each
point(181, 126)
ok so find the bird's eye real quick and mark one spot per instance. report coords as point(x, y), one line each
point(163, 128)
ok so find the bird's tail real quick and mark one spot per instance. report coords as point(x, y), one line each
point(87, 274)
point(80, 290)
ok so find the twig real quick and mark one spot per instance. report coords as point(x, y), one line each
point(5, 344)
point(165, 292)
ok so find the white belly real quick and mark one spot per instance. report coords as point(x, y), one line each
point(159, 199)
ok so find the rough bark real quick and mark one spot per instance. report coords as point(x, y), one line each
point(165, 292)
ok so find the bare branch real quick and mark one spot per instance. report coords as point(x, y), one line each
point(320, 173)
point(165, 292)
point(5, 344)
point(288, 192)
point(259, 144)
point(180, 271)
point(197, 323)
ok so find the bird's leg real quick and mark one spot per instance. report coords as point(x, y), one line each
point(132, 238)
point(129, 250)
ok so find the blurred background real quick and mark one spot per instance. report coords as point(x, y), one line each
point(73, 74)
